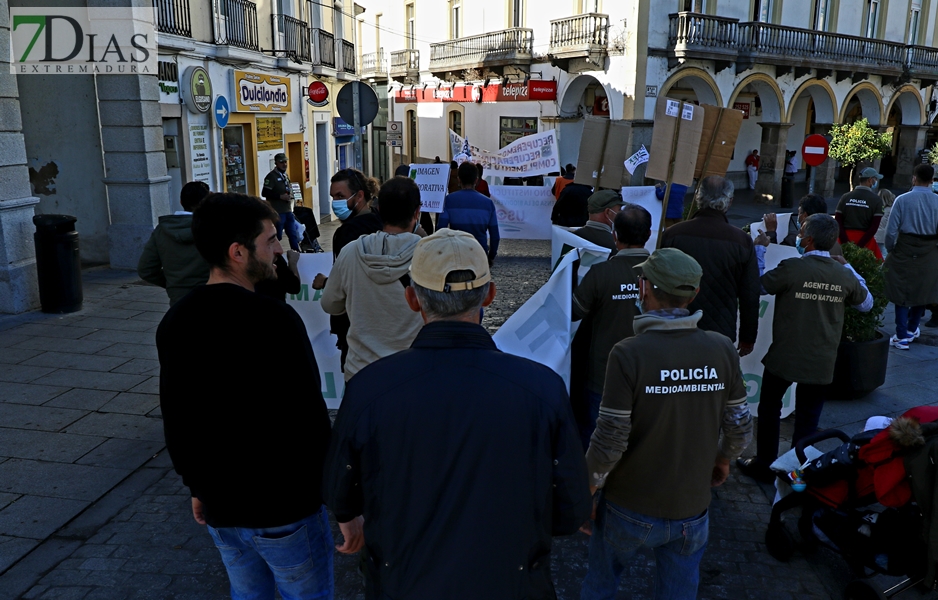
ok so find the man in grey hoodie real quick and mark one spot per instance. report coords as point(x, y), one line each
point(170, 258)
point(369, 278)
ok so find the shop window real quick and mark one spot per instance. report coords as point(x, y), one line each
point(235, 173)
point(512, 128)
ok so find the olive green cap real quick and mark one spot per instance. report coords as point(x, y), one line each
point(602, 200)
point(280, 156)
point(672, 271)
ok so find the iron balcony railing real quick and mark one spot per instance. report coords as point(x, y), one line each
point(828, 50)
point(405, 62)
point(348, 57)
point(579, 31)
point(694, 31)
point(172, 16)
point(292, 36)
point(374, 64)
point(509, 45)
point(323, 48)
point(721, 38)
point(235, 24)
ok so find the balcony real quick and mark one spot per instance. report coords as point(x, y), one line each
point(347, 60)
point(323, 47)
point(486, 52)
point(805, 49)
point(694, 35)
point(405, 66)
point(727, 41)
point(235, 24)
point(375, 66)
point(579, 43)
point(172, 16)
point(292, 41)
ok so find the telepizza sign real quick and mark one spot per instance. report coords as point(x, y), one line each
point(503, 92)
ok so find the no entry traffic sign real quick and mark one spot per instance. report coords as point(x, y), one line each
point(814, 149)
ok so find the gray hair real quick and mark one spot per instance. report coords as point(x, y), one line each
point(715, 192)
point(440, 306)
point(823, 229)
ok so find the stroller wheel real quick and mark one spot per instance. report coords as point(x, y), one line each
point(862, 590)
point(779, 542)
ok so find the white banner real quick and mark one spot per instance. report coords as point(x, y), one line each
point(306, 303)
point(432, 181)
point(536, 154)
point(541, 329)
point(752, 364)
point(644, 196)
point(563, 240)
point(523, 212)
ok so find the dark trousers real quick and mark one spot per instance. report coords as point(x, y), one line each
point(809, 401)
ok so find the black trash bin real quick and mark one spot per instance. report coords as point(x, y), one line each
point(58, 263)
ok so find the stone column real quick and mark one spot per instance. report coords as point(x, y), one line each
point(19, 289)
point(911, 140)
point(771, 162)
point(825, 173)
point(134, 163)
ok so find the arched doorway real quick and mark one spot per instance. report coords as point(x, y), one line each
point(763, 129)
point(583, 96)
point(812, 110)
point(905, 116)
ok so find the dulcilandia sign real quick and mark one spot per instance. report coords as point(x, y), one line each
point(260, 92)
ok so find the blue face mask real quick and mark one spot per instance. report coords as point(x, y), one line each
point(798, 245)
point(341, 209)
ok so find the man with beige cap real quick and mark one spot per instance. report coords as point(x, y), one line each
point(463, 460)
point(657, 449)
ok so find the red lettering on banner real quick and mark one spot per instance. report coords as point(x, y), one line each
point(511, 92)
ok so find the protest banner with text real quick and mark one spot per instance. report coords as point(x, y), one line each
point(523, 212)
point(432, 181)
point(535, 154)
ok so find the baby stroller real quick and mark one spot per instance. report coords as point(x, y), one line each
point(859, 501)
point(310, 239)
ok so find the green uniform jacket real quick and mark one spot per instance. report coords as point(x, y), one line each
point(170, 258)
point(275, 185)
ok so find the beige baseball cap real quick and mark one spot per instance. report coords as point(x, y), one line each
point(448, 250)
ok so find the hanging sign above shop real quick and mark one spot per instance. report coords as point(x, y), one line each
point(318, 94)
point(261, 93)
point(502, 92)
point(196, 90)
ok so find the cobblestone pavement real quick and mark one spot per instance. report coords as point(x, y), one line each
point(137, 539)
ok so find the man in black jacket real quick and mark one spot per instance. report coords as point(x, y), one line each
point(463, 460)
point(730, 281)
point(250, 448)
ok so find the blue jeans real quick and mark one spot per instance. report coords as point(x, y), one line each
point(907, 320)
point(288, 222)
point(586, 429)
point(618, 533)
point(295, 559)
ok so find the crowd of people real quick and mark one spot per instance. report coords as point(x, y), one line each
point(451, 465)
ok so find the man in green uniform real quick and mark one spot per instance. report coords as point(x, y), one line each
point(603, 206)
point(811, 293)
point(278, 192)
point(608, 294)
point(657, 450)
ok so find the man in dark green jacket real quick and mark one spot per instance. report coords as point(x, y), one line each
point(170, 258)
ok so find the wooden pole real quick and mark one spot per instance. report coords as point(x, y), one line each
point(602, 156)
point(706, 165)
point(667, 189)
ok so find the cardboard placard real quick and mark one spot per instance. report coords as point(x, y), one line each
point(604, 146)
point(718, 139)
point(667, 114)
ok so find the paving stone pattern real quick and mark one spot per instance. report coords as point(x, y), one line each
point(91, 509)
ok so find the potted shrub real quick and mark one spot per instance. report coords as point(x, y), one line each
point(864, 350)
point(853, 143)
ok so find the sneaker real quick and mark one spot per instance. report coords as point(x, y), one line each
point(915, 334)
point(900, 344)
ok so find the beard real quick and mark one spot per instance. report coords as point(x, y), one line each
point(258, 270)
